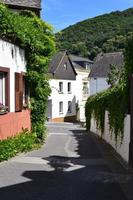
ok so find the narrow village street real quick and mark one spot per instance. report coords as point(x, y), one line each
point(66, 65)
point(72, 165)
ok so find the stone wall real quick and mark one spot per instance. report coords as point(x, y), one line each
point(122, 149)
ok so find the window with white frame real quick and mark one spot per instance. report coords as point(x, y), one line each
point(61, 107)
point(69, 106)
point(60, 87)
point(69, 87)
point(2, 88)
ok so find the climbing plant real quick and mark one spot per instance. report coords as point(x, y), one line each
point(37, 39)
point(115, 100)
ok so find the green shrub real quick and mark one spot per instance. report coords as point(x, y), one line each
point(36, 37)
point(113, 100)
point(22, 142)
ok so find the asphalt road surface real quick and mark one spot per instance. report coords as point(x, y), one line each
point(72, 165)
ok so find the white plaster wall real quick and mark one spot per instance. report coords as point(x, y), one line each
point(65, 97)
point(122, 149)
point(80, 79)
point(82, 112)
point(12, 57)
point(97, 85)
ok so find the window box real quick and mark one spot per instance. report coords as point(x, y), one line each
point(25, 105)
point(3, 109)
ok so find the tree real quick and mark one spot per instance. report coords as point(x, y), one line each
point(80, 49)
point(108, 32)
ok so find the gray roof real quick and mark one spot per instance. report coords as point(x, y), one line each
point(101, 66)
point(56, 67)
point(55, 61)
point(78, 62)
point(80, 68)
point(79, 58)
point(23, 3)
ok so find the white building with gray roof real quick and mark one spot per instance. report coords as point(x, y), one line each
point(69, 83)
point(101, 68)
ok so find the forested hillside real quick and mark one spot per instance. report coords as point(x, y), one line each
point(105, 33)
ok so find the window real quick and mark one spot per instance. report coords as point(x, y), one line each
point(5, 87)
point(60, 87)
point(69, 87)
point(60, 107)
point(65, 66)
point(69, 106)
point(85, 88)
point(2, 88)
point(87, 66)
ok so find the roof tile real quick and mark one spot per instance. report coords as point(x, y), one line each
point(101, 67)
point(23, 3)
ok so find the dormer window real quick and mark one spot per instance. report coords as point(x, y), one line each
point(65, 66)
point(87, 66)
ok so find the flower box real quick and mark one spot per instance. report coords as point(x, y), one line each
point(3, 109)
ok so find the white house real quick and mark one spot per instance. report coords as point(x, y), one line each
point(62, 102)
point(101, 68)
point(82, 67)
point(69, 84)
point(12, 90)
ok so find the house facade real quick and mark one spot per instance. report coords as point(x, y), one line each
point(13, 90)
point(101, 68)
point(18, 5)
point(70, 87)
point(82, 67)
point(62, 102)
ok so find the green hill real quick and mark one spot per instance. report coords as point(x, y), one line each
point(105, 33)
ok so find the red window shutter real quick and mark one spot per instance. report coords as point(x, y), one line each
point(18, 92)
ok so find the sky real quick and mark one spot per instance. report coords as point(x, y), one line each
point(63, 13)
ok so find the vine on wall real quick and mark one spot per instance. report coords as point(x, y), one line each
point(37, 39)
point(115, 100)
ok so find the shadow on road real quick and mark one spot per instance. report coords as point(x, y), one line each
point(69, 178)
